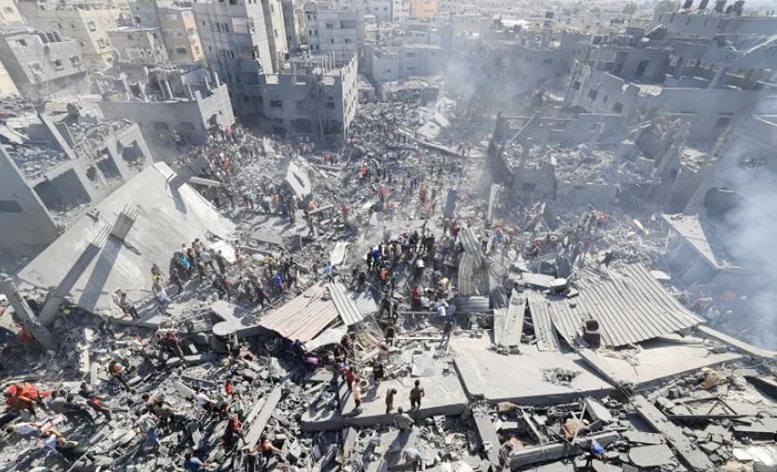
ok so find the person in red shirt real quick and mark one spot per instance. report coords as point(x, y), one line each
point(228, 388)
point(350, 377)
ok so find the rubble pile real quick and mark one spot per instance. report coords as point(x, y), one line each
point(384, 304)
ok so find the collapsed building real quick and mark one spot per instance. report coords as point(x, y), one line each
point(173, 106)
point(58, 162)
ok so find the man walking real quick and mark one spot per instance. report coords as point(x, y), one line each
point(416, 394)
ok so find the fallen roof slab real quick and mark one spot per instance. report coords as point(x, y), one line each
point(167, 216)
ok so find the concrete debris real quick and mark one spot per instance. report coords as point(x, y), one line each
point(423, 283)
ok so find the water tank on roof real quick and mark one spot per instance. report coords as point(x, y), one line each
point(739, 7)
point(720, 5)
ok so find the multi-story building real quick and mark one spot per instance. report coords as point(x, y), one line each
point(382, 10)
point(175, 106)
point(9, 14)
point(423, 8)
point(86, 21)
point(387, 64)
point(242, 40)
point(42, 64)
point(292, 23)
point(311, 98)
point(56, 165)
point(332, 28)
point(138, 45)
point(177, 24)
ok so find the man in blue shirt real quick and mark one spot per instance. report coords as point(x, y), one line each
point(192, 463)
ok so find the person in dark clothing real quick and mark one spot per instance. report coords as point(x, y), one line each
point(377, 373)
point(222, 263)
point(416, 394)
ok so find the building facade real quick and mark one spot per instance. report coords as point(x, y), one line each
point(86, 21)
point(423, 8)
point(9, 14)
point(177, 25)
point(41, 64)
point(332, 29)
point(138, 45)
point(311, 99)
point(241, 41)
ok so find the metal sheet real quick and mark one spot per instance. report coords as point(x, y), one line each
point(346, 306)
point(470, 242)
point(302, 317)
point(473, 304)
point(630, 307)
point(511, 326)
point(543, 326)
point(472, 275)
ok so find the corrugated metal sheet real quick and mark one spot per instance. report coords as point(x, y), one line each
point(541, 320)
point(304, 316)
point(630, 308)
point(470, 242)
point(472, 275)
point(346, 306)
point(474, 304)
point(508, 327)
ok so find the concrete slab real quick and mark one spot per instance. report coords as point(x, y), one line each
point(483, 374)
point(658, 360)
point(444, 396)
point(168, 215)
point(651, 456)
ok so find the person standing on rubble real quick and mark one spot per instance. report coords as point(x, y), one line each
point(416, 394)
point(116, 371)
point(329, 271)
point(222, 262)
point(447, 330)
point(357, 396)
point(147, 425)
point(390, 394)
point(192, 463)
point(378, 373)
point(124, 303)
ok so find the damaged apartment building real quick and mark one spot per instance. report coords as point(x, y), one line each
point(55, 163)
point(85, 21)
point(42, 64)
point(245, 44)
point(526, 58)
point(710, 79)
point(172, 106)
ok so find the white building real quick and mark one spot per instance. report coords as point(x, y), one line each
point(332, 28)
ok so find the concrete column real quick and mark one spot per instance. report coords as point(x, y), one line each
point(678, 69)
point(719, 75)
point(25, 316)
point(168, 90)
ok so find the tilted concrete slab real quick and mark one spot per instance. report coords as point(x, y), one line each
point(169, 214)
point(658, 360)
point(483, 374)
